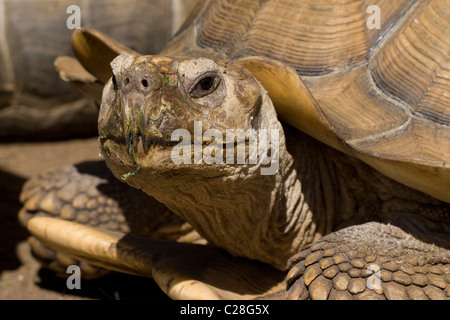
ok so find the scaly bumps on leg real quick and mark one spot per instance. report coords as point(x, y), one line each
point(89, 194)
point(370, 261)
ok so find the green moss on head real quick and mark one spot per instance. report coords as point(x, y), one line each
point(131, 153)
point(186, 102)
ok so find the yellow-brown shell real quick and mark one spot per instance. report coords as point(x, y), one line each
point(382, 95)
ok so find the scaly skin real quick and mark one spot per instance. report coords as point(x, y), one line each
point(89, 194)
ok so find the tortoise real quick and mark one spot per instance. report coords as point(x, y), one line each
point(34, 103)
point(342, 191)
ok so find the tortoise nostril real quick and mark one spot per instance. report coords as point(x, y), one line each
point(144, 82)
point(126, 81)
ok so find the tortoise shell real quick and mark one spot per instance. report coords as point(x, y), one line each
point(382, 95)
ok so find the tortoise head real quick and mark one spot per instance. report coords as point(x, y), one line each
point(198, 135)
point(153, 103)
point(150, 96)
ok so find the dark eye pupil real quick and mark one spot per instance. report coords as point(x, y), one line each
point(206, 83)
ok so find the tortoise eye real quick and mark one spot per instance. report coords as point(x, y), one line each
point(206, 83)
point(204, 86)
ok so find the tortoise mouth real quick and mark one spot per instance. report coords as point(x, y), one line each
point(144, 146)
point(141, 142)
point(218, 152)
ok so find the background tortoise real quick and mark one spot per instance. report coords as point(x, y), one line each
point(326, 225)
point(34, 103)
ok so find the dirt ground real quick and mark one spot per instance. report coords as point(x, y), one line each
point(21, 277)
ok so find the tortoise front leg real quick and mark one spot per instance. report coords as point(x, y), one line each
point(370, 261)
point(88, 193)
